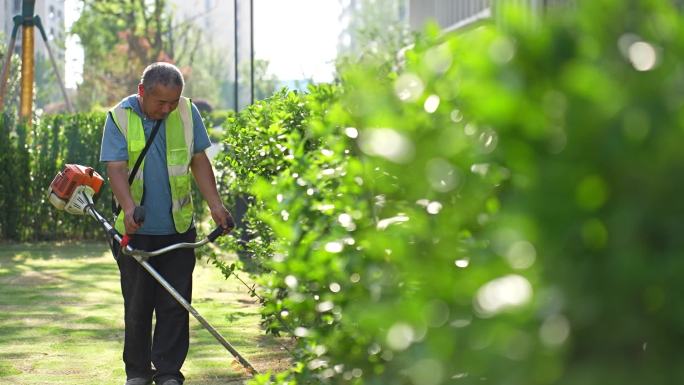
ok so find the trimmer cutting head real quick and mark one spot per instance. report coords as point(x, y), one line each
point(73, 188)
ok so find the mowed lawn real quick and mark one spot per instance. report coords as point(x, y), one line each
point(61, 320)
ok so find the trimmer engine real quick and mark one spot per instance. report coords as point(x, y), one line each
point(73, 188)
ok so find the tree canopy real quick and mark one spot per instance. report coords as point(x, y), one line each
point(120, 38)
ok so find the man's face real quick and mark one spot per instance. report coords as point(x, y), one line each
point(159, 100)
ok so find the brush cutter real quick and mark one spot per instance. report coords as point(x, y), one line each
point(73, 190)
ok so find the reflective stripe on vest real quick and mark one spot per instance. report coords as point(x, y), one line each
point(179, 151)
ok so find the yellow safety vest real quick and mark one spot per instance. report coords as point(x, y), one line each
point(179, 149)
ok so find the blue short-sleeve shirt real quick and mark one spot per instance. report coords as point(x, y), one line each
point(157, 199)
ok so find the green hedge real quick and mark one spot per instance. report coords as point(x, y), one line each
point(504, 210)
point(12, 165)
point(30, 158)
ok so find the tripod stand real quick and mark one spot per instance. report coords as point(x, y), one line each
point(28, 20)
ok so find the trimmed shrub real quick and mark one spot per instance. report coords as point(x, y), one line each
point(31, 158)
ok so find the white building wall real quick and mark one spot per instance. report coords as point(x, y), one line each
point(449, 14)
point(213, 17)
point(453, 14)
point(7, 11)
point(51, 14)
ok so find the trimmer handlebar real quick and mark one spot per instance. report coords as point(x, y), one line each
point(215, 234)
point(142, 255)
point(183, 245)
point(139, 214)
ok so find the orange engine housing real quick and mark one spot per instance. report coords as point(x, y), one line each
point(72, 176)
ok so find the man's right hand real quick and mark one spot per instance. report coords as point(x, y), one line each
point(131, 225)
point(118, 177)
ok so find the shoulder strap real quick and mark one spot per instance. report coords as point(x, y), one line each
point(116, 208)
point(136, 166)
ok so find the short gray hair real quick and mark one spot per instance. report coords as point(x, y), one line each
point(162, 73)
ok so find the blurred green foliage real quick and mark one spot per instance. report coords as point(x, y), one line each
point(502, 210)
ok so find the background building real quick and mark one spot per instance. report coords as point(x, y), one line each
point(51, 14)
point(214, 18)
point(448, 14)
point(360, 17)
point(454, 14)
point(373, 31)
point(215, 21)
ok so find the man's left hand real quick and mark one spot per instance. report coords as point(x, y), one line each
point(222, 217)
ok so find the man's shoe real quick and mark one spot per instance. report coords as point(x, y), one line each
point(171, 381)
point(138, 381)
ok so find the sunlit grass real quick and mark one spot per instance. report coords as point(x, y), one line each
point(61, 319)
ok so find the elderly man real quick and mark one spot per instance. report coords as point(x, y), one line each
point(162, 185)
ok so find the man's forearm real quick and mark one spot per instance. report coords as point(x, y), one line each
point(118, 178)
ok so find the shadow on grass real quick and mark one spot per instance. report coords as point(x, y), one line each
point(47, 250)
point(54, 294)
point(60, 307)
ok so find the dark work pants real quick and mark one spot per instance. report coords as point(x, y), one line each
point(143, 296)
